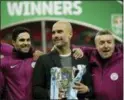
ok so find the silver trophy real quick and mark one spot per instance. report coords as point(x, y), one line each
point(66, 77)
point(63, 79)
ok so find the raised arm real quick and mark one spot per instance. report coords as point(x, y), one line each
point(80, 51)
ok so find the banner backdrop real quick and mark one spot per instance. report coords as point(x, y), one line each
point(94, 14)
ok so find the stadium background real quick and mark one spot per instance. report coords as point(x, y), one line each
point(93, 16)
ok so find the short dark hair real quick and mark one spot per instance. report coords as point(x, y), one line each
point(104, 32)
point(16, 31)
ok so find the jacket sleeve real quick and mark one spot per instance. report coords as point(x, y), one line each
point(4, 62)
point(86, 50)
point(39, 92)
point(87, 80)
point(119, 48)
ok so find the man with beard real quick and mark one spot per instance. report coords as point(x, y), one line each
point(107, 66)
point(60, 57)
point(17, 68)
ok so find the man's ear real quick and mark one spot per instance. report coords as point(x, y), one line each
point(70, 35)
point(13, 43)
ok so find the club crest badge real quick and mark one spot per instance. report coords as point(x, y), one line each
point(114, 76)
point(1, 56)
point(33, 64)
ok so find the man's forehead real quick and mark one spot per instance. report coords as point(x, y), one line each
point(62, 25)
point(59, 26)
point(104, 37)
point(24, 35)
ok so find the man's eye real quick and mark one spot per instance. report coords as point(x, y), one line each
point(28, 40)
point(101, 43)
point(21, 40)
point(53, 32)
point(59, 31)
point(109, 42)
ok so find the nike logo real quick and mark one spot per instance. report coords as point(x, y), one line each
point(13, 66)
point(1, 56)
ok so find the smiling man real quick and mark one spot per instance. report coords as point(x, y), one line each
point(107, 66)
point(110, 67)
point(17, 68)
point(61, 57)
point(105, 44)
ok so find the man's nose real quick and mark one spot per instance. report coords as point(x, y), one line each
point(56, 34)
point(106, 44)
point(26, 42)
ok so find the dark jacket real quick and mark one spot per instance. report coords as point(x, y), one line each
point(41, 75)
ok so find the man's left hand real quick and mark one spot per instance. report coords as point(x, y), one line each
point(36, 54)
point(81, 87)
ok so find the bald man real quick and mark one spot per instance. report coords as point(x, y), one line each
point(60, 57)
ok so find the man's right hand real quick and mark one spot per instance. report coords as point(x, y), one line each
point(78, 53)
point(36, 54)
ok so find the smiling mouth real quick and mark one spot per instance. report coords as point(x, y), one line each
point(57, 41)
point(106, 51)
point(26, 48)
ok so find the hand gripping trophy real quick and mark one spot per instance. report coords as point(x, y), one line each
point(64, 79)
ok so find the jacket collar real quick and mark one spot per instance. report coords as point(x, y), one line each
point(56, 59)
point(21, 55)
point(95, 59)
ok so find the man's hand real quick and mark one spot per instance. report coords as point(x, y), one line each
point(81, 87)
point(61, 94)
point(36, 54)
point(53, 48)
point(78, 53)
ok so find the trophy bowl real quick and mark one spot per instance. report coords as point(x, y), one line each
point(66, 79)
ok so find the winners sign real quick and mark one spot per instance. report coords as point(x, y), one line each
point(26, 8)
point(85, 13)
